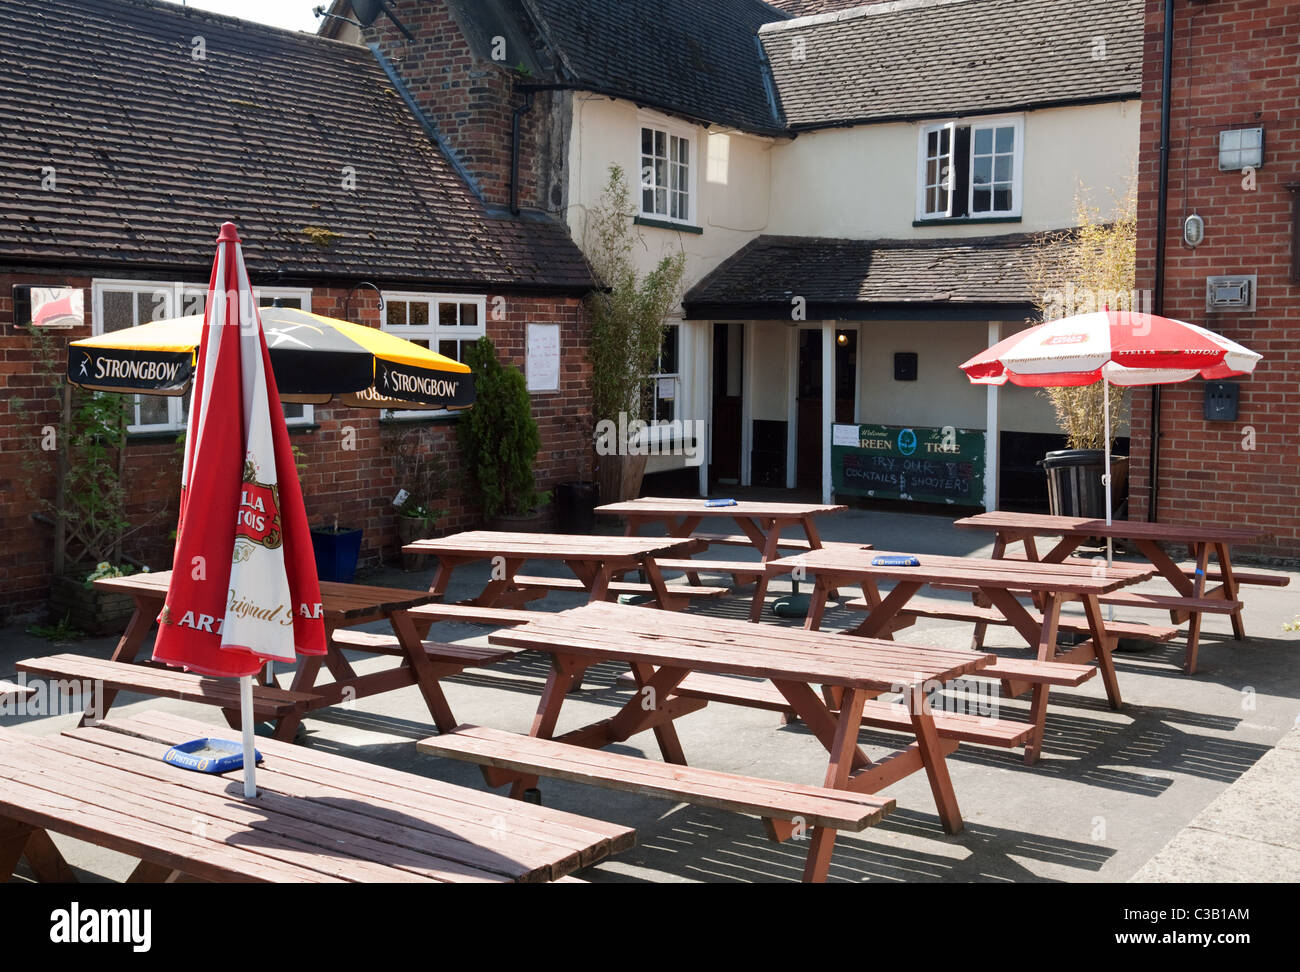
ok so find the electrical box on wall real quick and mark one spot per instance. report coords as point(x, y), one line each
point(1230, 293)
point(905, 366)
point(1221, 401)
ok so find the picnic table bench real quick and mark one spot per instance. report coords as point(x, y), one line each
point(760, 524)
point(423, 663)
point(1191, 600)
point(664, 652)
point(597, 564)
point(318, 817)
point(997, 583)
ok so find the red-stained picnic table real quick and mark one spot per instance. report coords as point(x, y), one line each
point(1191, 598)
point(317, 818)
point(997, 581)
point(596, 563)
point(760, 523)
point(345, 605)
point(10, 691)
point(665, 652)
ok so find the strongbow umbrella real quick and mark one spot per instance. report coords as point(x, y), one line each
point(314, 359)
point(1113, 347)
point(243, 586)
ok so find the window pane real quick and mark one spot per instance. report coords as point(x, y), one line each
point(293, 410)
point(1002, 168)
point(421, 342)
point(446, 314)
point(265, 301)
point(418, 314)
point(153, 410)
point(983, 170)
point(647, 200)
point(193, 303)
point(119, 310)
point(661, 201)
point(661, 144)
point(1002, 199)
point(668, 353)
point(1006, 139)
point(469, 315)
point(395, 313)
point(449, 349)
point(647, 172)
point(981, 200)
point(647, 141)
point(983, 140)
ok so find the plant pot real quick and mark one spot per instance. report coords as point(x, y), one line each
point(533, 522)
point(93, 611)
point(575, 507)
point(1074, 486)
point(620, 477)
point(336, 554)
point(410, 529)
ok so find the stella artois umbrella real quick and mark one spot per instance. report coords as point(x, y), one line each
point(243, 587)
point(315, 359)
point(1115, 348)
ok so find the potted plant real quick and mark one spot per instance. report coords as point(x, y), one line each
point(85, 452)
point(499, 441)
point(627, 330)
point(1089, 268)
point(421, 469)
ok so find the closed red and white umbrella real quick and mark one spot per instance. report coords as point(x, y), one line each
point(243, 588)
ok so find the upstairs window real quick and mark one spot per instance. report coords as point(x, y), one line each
point(667, 172)
point(970, 171)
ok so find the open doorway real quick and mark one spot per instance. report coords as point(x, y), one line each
point(808, 397)
point(728, 404)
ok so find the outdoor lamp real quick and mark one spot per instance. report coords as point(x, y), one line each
point(1193, 230)
point(1241, 148)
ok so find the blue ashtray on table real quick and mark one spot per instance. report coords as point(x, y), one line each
point(209, 755)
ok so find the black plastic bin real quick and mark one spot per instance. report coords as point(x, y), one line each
point(1074, 485)
point(575, 506)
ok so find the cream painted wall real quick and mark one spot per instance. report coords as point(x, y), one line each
point(732, 182)
point(860, 183)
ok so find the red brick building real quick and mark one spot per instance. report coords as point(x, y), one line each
point(1235, 69)
point(130, 129)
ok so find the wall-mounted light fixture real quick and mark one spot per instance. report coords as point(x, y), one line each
point(1241, 148)
point(1193, 230)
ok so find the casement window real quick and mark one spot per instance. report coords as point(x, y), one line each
point(970, 170)
point(661, 395)
point(125, 303)
point(667, 172)
point(446, 323)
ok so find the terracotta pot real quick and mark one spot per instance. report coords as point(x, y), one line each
point(534, 522)
point(93, 611)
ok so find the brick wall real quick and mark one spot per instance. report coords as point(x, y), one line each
point(357, 485)
point(471, 101)
point(1234, 67)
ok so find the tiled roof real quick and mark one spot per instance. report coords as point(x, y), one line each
point(808, 8)
point(152, 148)
point(772, 270)
point(697, 58)
point(927, 58)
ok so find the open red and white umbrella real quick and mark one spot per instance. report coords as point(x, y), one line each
point(243, 588)
point(1113, 347)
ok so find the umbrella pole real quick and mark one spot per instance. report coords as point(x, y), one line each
point(1110, 543)
point(246, 717)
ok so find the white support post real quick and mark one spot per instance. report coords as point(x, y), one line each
point(792, 407)
point(992, 460)
point(701, 364)
point(828, 404)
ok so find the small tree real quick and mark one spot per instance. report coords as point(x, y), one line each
point(1089, 268)
point(499, 437)
point(628, 316)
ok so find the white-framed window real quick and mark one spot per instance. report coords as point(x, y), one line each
point(668, 165)
point(663, 392)
point(125, 303)
point(446, 323)
point(970, 169)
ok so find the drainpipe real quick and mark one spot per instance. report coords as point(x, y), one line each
point(1162, 215)
point(514, 150)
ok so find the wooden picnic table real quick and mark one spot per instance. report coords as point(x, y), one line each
point(10, 691)
point(665, 651)
point(760, 524)
point(596, 562)
point(318, 817)
point(996, 581)
point(1192, 598)
point(345, 606)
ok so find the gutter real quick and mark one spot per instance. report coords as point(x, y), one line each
point(1158, 286)
point(429, 128)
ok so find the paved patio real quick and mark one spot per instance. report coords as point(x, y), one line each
point(1111, 791)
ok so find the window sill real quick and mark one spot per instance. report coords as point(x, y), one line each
point(171, 435)
point(447, 419)
point(667, 224)
point(964, 220)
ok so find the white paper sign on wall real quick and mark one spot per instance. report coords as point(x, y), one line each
point(543, 363)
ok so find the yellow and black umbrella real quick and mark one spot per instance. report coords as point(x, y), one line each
point(315, 359)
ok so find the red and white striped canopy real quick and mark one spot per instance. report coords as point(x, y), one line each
point(1126, 347)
